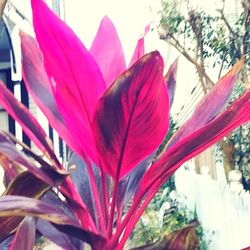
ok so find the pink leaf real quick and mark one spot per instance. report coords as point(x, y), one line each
point(170, 79)
point(107, 51)
point(139, 49)
point(211, 105)
point(130, 120)
point(38, 85)
point(196, 142)
point(28, 123)
point(77, 80)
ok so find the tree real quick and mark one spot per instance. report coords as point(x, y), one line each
point(205, 39)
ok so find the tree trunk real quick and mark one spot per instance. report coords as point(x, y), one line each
point(228, 150)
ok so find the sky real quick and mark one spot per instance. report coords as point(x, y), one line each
point(130, 18)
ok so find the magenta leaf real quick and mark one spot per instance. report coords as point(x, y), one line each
point(130, 120)
point(107, 51)
point(139, 49)
point(28, 123)
point(26, 230)
point(77, 82)
point(211, 105)
point(170, 79)
point(37, 81)
point(236, 114)
point(38, 85)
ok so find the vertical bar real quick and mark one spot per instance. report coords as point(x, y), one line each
point(10, 86)
point(25, 101)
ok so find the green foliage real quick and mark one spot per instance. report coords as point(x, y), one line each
point(217, 39)
point(241, 140)
point(172, 129)
point(164, 215)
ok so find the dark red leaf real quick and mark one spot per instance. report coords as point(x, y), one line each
point(11, 169)
point(107, 51)
point(130, 121)
point(50, 231)
point(181, 239)
point(38, 85)
point(28, 123)
point(196, 142)
point(5, 244)
point(9, 151)
point(23, 206)
point(21, 186)
point(211, 105)
point(25, 235)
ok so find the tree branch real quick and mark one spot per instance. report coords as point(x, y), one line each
point(234, 40)
point(201, 72)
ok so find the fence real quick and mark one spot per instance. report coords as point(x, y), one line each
point(223, 213)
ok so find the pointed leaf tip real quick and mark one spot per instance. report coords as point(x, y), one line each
point(236, 68)
point(210, 106)
point(170, 79)
point(130, 120)
point(140, 47)
point(77, 79)
point(107, 51)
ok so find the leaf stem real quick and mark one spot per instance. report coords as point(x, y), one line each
point(105, 195)
point(96, 197)
point(128, 216)
point(81, 213)
point(136, 216)
point(112, 209)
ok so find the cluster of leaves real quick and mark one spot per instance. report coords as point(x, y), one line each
point(113, 118)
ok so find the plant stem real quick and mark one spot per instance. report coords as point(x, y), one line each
point(79, 207)
point(105, 195)
point(96, 197)
point(128, 223)
point(112, 209)
point(132, 222)
point(128, 216)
